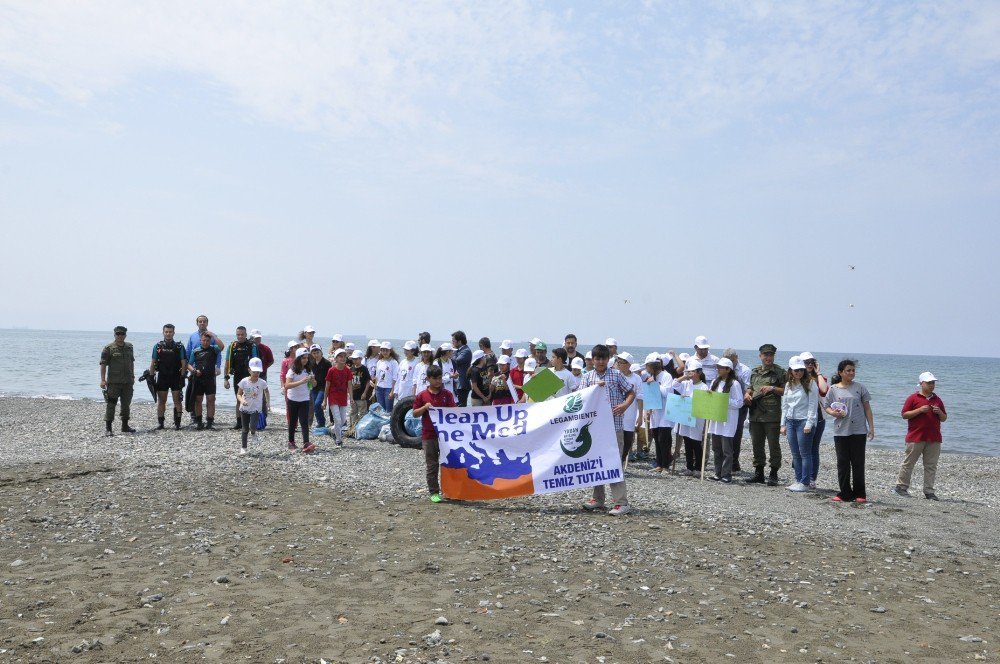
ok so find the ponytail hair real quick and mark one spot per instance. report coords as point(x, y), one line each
point(847, 362)
point(729, 382)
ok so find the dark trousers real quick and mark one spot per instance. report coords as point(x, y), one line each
point(462, 395)
point(851, 462)
point(661, 440)
point(431, 453)
point(738, 436)
point(692, 453)
point(115, 392)
point(298, 414)
point(629, 441)
point(249, 422)
point(771, 431)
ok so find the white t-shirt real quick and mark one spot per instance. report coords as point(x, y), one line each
point(253, 393)
point(567, 377)
point(299, 392)
point(573, 382)
point(386, 373)
point(371, 362)
point(404, 382)
point(628, 417)
point(420, 378)
point(658, 418)
point(446, 368)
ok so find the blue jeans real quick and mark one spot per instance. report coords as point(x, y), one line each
point(382, 396)
point(817, 434)
point(802, 452)
point(318, 399)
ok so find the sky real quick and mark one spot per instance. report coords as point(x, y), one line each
point(648, 171)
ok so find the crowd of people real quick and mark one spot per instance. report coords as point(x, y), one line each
point(342, 381)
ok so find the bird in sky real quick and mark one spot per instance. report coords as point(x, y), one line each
point(851, 266)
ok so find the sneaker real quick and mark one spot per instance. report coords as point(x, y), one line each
point(727, 480)
point(243, 451)
point(772, 479)
point(812, 486)
point(930, 496)
point(715, 478)
point(292, 445)
point(837, 499)
point(309, 449)
point(861, 499)
point(686, 472)
point(618, 510)
point(798, 487)
point(758, 478)
point(592, 505)
point(901, 490)
point(436, 498)
point(657, 469)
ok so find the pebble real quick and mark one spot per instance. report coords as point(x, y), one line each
point(223, 579)
point(878, 609)
point(441, 619)
point(970, 639)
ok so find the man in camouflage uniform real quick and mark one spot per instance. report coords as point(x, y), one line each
point(117, 378)
point(767, 384)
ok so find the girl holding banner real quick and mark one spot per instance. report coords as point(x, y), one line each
point(694, 379)
point(722, 432)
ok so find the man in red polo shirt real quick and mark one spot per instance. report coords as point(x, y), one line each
point(924, 412)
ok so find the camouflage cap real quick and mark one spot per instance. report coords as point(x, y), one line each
point(769, 348)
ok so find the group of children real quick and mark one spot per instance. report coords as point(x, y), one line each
point(346, 380)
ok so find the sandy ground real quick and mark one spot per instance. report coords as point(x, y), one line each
point(108, 557)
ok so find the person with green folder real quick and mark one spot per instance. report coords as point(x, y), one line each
point(722, 433)
point(694, 379)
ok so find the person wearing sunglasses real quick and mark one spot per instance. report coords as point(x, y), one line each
point(822, 387)
point(117, 378)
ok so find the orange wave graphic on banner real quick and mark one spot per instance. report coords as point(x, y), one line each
point(455, 483)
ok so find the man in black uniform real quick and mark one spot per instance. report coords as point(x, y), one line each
point(169, 363)
point(238, 364)
point(201, 364)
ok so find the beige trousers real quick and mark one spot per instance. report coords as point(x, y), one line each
point(618, 494)
point(930, 452)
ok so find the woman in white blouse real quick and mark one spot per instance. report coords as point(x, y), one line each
point(722, 432)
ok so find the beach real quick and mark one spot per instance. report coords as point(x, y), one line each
point(168, 545)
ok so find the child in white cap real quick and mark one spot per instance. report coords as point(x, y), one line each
point(253, 397)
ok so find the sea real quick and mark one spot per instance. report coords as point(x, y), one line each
point(61, 364)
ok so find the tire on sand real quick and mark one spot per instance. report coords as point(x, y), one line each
point(396, 423)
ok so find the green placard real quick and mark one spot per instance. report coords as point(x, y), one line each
point(712, 406)
point(543, 385)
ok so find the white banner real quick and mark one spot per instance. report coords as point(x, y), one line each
point(562, 444)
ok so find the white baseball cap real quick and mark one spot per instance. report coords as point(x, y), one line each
point(341, 351)
point(385, 345)
point(521, 352)
point(426, 348)
point(691, 365)
point(300, 352)
point(795, 362)
point(506, 344)
point(309, 328)
point(725, 362)
point(684, 357)
point(635, 368)
point(255, 334)
point(806, 355)
point(338, 337)
point(446, 346)
point(357, 355)
point(410, 345)
point(372, 343)
point(315, 347)
point(927, 377)
point(589, 355)
point(477, 355)
point(610, 341)
point(530, 365)
point(256, 364)
point(652, 357)
point(535, 341)
point(577, 363)
point(701, 342)
point(503, 359)
point(349, 345)
point(624, 355)
point(292, 344)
